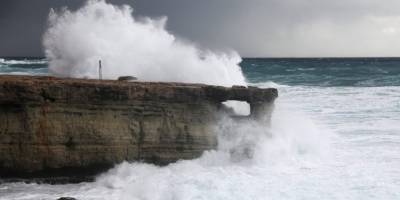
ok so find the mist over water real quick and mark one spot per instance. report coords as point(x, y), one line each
point(220, 174)
point(76, 40)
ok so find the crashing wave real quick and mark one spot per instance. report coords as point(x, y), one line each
point(76, 40)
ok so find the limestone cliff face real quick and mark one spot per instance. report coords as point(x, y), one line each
point(50, 123)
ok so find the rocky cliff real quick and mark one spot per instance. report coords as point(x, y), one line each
point(68, 125)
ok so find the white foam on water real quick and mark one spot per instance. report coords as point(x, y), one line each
point(22, 62)
point(268, 84)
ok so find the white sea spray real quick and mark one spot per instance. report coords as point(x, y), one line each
point(75, 41)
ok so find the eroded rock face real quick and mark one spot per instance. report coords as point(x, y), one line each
point(70, 125)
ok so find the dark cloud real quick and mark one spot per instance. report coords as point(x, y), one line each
point(253, 27)
point(22, 24)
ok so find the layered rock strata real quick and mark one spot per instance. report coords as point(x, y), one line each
point(66, 126)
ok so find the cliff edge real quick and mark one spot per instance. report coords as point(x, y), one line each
point(66, 125)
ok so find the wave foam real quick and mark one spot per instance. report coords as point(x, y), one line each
point(76, 40)
point(22, 62)
point(220, 174)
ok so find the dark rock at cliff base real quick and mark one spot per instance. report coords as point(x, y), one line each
point(53, 127)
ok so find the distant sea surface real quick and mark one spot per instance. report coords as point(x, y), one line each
point(23, 66)
point(340, 139)
point(323, 72)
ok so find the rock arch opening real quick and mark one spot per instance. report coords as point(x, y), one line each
point(237, 108)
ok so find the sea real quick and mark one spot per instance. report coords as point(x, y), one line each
point(335, 134)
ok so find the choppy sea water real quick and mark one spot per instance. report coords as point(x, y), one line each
point(335, 135)
point(24, 66)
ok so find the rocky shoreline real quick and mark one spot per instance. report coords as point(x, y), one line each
point(75, 128)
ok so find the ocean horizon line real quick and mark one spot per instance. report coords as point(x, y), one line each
point(249, 57)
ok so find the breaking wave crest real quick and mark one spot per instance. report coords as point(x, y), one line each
point(76, 40)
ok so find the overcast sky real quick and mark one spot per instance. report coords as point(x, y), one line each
point(254, 28)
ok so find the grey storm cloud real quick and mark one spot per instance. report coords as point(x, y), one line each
point(257, 28)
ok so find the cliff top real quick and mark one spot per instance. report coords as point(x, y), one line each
point(46, 88)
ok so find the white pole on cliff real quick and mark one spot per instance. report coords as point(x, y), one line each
point(100, 72)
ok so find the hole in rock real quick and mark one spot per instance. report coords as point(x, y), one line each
point(239, 108)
